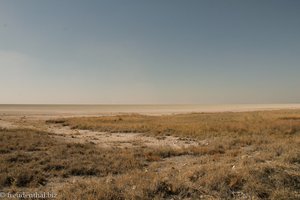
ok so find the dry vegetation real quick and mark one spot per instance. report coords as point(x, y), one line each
point(252, 155)
point(30, 159)
point(197, 125)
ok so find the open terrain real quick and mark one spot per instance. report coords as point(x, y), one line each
point(228, 155)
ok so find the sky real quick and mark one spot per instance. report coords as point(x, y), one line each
point(149, 51)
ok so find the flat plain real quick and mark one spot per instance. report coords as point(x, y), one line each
point(135, 155)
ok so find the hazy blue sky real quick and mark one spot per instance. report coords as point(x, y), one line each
point(155, 51)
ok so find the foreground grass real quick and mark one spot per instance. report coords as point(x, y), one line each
point(31, 159)
point(265, 169)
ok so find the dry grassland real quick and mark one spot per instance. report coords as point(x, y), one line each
point(249, 155)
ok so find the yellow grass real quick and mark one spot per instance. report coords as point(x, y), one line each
point(196, 125)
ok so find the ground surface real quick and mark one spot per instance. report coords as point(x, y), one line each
point(188, 156)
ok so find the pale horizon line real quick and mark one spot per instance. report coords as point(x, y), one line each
point(142, 104)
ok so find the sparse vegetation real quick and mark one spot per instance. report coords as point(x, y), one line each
point(250, 155)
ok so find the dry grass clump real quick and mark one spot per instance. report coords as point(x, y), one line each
point(157, 154)
point(137, 185)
